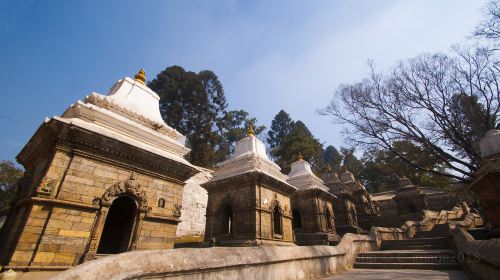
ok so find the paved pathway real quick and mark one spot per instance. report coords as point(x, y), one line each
point(400, 274)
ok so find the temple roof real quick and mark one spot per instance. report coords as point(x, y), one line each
point(302, 177)
point(129, 113)
point(249, 156)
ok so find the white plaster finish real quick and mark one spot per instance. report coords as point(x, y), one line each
point(490, 143)
point(121, 116)
point(261, 262)
point(194, 205)
point(136, 97)
point(249, 156)
point(302, 177)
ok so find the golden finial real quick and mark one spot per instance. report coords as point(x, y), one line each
point(141, 76)
point(250, 132)
point(344, 169)
point(299, 157)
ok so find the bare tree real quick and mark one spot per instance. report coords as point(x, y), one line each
point(440, 103)
point(489, 28)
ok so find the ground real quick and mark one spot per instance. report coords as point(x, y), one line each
point(400, 274)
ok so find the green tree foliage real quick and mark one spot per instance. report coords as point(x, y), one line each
point(281, 126)
point(9, 175)
point(440, 103)
point(195, 105)
point(187, 104)
point(382, 168)
point(350, 160)
point(234, 126)
point(333, 158)
point(288, 138)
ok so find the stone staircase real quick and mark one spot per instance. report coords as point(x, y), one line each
point(427, 250)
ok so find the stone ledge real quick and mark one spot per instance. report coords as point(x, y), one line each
point(249, 262)
point(481, 257)
point(409, 228)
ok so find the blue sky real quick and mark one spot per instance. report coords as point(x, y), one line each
point(269, 55)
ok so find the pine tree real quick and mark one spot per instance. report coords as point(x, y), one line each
point(281, 126)
point(299, 140)
point(194, 105)
point(234, 128)
point(333, 158)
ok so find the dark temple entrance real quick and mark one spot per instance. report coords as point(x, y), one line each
point(117, 230)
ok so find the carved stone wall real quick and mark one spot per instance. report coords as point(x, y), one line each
point(252, 198)
point(72, 178)
point(346, 218)
point(317, 217)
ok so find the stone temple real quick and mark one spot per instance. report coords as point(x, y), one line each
point(106, 177)
point(107, 194)
point(249, 199)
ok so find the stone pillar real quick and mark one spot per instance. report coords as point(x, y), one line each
point(137, 230)
point(96, 234)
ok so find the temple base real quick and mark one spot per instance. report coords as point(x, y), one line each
point(317, 238)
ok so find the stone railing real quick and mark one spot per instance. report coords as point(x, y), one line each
point(409, 228)
point(261, 262)
point(480, 257)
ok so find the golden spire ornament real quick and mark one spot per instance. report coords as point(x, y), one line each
point(250, 132)
point(141, 76)
point(300, 157)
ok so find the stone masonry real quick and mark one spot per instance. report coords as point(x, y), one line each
point(105, 156)
point(313, 212)
point(249, 199)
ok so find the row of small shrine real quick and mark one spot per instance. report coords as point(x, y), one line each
point(250, 202)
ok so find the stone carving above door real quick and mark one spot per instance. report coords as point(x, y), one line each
point(129, 186)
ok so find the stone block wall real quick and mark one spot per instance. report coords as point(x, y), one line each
point(194, 207)
point(264, 224)
point(240, 197)
point(54, 225)
point(252, 201)
point(312, 211)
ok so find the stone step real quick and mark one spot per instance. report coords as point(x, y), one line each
point(427, 259)
point(436, 266)
point(409, 253)
point(413, 247)
point(423, 241)
point(429, 234)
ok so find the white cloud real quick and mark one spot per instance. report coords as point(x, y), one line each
point(302, 80)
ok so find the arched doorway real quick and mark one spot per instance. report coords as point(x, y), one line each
point(117, 230)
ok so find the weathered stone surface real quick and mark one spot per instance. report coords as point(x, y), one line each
point(102, 150)
point(262, 262)
point(481, 257)
point(194, 207)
